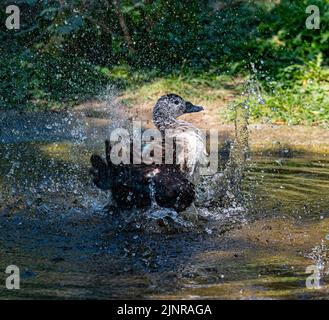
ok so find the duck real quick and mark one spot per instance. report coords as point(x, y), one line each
point(189, 140)
point(142, 185)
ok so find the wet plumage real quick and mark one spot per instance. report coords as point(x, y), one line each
point(135, 185)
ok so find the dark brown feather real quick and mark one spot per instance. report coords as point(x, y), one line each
point(131, 185)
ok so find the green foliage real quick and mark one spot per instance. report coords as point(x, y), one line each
point(66, 51)
point(287, 25)
point(300, 97)
point(296, 81)
point(44, 81)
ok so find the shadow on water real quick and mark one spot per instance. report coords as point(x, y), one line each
point(54, 228)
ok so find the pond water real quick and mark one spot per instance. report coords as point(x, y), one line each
point(53, 226)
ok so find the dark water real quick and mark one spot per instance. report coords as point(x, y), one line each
point(54, 228)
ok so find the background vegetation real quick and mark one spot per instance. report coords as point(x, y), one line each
point(69, 51)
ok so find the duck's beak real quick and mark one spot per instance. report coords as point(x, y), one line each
point(189, 107)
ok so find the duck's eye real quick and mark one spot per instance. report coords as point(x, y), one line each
point(176, 102)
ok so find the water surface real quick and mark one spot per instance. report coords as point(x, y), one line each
point(53, 226)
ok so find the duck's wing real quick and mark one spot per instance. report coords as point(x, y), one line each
point(108, 176)
point(173, 189)
point(190, 146)
point(131, 184)
point(102, 169)
point(100, 173)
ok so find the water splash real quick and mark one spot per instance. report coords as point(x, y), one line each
point(50, 175)
point(320, 256)
point(223, 190)
point(46, 157)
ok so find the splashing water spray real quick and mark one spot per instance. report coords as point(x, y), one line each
point(220, 196)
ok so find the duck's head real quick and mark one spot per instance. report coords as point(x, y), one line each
point(170, 107)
